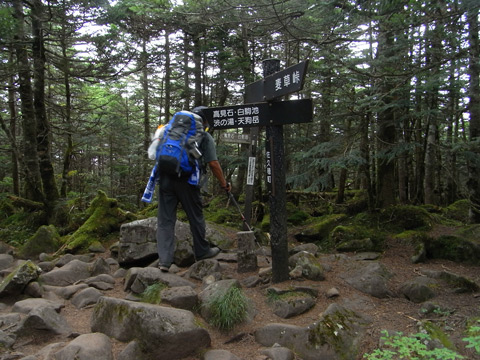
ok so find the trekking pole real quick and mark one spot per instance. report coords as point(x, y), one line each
point(231, 197)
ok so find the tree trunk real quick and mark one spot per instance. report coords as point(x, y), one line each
point(186, 71)
point(50, 189)
point(197, 71)
point(386, 123)
point(429, 184)
point(13, 126)
point(342, 179)
point(168, 74)
point(452, 136)
point(328, 181)
point(474, 109)
point(433, 58)
point(146, 106)
point(364, 169)
point(33, 182)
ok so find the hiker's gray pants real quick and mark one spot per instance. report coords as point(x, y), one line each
point(171, 191)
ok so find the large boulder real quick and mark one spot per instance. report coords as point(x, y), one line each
point(138, 245)
point(309, 264)
point(137, 241)
point(159, 332)
point(335, 336)
point(18, 279)
point(6, 260)
point(87, 347)
point(74, 271)
point(369, 277)
point(290, 303)
point(44, 319)
point(45, 240)
point(419, 289)
point(138, 279)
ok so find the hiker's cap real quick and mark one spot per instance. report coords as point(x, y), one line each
point(199, 111)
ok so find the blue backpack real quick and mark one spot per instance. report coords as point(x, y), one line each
point(177, 151)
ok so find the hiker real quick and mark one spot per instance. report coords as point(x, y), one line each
point(175, 188)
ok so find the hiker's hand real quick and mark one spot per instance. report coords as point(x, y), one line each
point(227, 187)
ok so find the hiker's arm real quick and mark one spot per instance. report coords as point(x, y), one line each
point(217, 171)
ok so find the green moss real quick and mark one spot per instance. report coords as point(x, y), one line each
point(265, 224)
point(295, 215)
point(408, 235)
point(358, 202)
point(273, 296)
point(330, 330)
point(453, 248)
point(458, 211)
point(104, 218)
point(470, 232)
point(319, 229)
point(405, 217)
point(45, 240)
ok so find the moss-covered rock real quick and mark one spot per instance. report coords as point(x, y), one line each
point(104, 218)
point(405, 217)
point(458, 211)
point(311, 267)
point(452, 248)
point(470, 232)
point(45, 240)
point(357, 238)
point(358, 203)
point(15, 282)
point(320, 230)
point(296, 216)
point(338, 331)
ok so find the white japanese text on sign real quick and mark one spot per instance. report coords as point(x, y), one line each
point(251, 171)
point(236, 116)
point(268, 167)
point(287, 79)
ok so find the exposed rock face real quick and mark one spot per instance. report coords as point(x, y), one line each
point(370, 278)
point(137, 241)
point(138, 245)
point(161, 332)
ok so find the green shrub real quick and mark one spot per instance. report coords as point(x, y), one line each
point(473, 338)
point(151, 294)
point(410, 347)
point(228, 309)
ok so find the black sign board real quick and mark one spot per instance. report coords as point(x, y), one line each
point(291, 112)
point(237, 116)
point(260, 114)
point(278, 84)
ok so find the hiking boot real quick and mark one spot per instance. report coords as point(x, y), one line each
point(210, 253)
point(163, 268)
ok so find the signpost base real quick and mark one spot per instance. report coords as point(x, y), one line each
point(246, 255)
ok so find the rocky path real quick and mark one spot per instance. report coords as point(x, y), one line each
point(338, 314)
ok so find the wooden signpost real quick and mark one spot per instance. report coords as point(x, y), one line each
point(263, 108)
